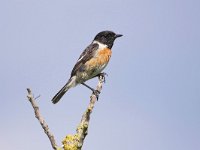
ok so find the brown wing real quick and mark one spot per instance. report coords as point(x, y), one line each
point(87, 54)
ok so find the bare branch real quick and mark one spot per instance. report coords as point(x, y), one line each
point(41, 119)
point(71, 142)
point(75, 142)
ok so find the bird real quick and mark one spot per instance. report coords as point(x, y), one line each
point(91, 62)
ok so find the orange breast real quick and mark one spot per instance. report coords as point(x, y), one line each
point(102, 58)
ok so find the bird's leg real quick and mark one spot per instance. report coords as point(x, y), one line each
point(95, 92)
point(88, 87)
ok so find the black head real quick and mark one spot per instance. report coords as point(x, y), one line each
point(107, 38)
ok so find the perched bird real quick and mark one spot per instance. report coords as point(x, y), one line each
point(91, 62)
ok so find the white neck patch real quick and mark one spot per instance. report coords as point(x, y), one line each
point(101, 45)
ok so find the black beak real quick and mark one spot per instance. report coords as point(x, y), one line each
point(118, 35)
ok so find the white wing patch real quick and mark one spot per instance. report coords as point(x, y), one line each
point(80, 58)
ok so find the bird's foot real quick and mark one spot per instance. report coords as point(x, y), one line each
point(102, 76)
point(96, 93)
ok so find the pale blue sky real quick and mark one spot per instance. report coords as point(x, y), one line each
point(151, 100)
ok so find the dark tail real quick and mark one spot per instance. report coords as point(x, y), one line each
point(65, 88)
